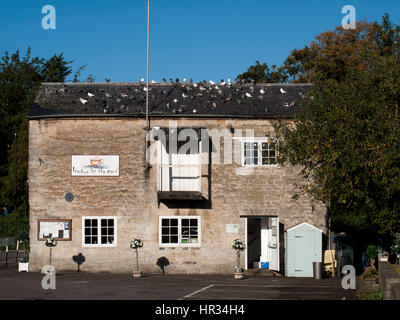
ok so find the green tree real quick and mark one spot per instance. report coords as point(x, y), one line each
point(56, 69)
point(20, 78)
point(347, 141)
point(261, 73)
point(333, 53)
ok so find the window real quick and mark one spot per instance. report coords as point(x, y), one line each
point(179, 231)
point(99, 231)
point(259, 153)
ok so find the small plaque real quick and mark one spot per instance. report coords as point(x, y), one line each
point(232, 228)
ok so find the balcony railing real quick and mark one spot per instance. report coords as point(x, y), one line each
point(179, 181)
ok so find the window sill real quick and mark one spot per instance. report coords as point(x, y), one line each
point(99, 246)
point(179, 246)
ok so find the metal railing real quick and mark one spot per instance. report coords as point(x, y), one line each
point(182, 177)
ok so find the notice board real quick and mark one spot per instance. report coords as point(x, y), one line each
point(58, 229)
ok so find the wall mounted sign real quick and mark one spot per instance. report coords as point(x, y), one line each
point(95, 166)
point(232, 228)
point(59, 229)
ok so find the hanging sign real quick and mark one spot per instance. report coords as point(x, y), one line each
point(95, 166)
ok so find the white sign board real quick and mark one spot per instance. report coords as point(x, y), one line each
point(95, 166)
point(232, 228)
point(55, 229)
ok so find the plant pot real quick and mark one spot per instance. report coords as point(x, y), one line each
point(137, 274)
point(239, 275)
point(23, 266)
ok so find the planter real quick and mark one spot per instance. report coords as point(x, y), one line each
point(23, 266)
point(383, 258)
point(137, 274)
point(239, 275)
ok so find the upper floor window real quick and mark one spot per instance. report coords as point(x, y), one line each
point(259, 153)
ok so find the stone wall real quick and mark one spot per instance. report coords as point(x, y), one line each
point(389, 281)
point(231, 191)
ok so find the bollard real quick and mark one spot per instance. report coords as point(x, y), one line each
point(6, 255)
point(317, 270)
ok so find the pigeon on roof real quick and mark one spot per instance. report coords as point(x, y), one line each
point(107, 80)
point(90, 94)
point(248, 95)
point(283, 91)
point(212, 82)
point(195, 85)
point(142, 80)
point(262, 91)
point(83, 101)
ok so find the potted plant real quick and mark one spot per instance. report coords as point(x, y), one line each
point(384, 256)
point(23, 264)
point(239, 246)
point(370, 272)
point(136, 244)
point(50, 242)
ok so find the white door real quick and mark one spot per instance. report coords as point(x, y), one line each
point(179, 172)
point(270, 242)
point(273, 245)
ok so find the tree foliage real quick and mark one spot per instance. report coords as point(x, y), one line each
point(347, 140)
point(20, 78)
point(261, 73)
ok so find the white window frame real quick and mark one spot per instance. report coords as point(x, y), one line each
point(259, 140)
point(99, 245)
point(179, 244)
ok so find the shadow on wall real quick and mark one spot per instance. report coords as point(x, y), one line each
point(162, 262)
point(79, 259)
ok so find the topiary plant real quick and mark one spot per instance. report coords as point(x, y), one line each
point(372, 254)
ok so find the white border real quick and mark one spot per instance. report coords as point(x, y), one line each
point(114, 245)
point(179, 244)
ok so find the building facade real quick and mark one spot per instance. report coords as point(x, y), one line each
point(101, 175)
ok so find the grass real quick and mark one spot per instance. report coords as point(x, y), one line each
point(369, 294)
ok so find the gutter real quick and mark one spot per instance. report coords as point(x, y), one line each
point(199, 116)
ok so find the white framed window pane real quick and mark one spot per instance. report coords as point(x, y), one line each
point(169, 230)
point(179, 231)
point(99, 231)
point(250, 153)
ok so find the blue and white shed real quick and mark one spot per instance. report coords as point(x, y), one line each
point(303, 247)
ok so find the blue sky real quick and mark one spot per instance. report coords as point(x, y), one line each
point(203, 40)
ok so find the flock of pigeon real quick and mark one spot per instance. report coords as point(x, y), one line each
point(180, 97)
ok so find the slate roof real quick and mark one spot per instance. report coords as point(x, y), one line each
point(169, 100)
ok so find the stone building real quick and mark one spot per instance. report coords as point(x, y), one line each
point(101, 175)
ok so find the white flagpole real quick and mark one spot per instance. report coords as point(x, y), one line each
point(148, 47)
